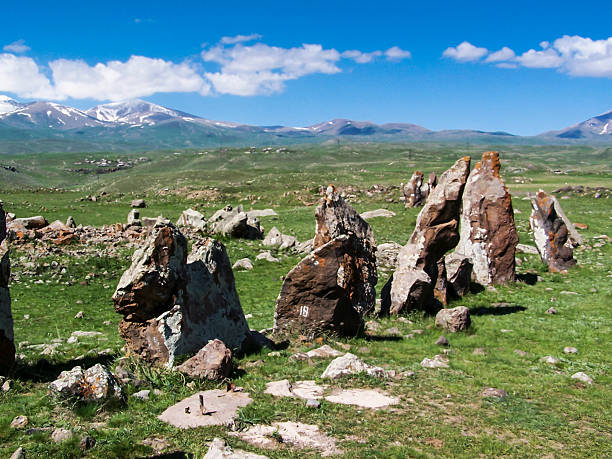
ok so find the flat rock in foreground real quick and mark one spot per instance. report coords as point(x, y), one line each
point(292, 434)
point(220, 409)
point(219, 449)
point(364, 398)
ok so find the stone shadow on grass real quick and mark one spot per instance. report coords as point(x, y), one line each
point(497, 310)
point(528, 278)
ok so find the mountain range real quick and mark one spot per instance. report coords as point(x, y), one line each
point(138, 124)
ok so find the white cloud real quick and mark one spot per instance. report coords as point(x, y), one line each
point(361, 57)
point(545, 59)
point(21, 75)
point(504, 54)
point(263, 69)
point(395, 53)
point(240, 39)
point(574, 55)
point(17, 47)
point(465, 52)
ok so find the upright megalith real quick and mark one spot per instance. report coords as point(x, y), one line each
point(551, 234)
point(235, 223)
point(7, 345)
point(333, 287)
point(436, 232)
point(488, 233)
point(413, 191)
point(173, 304)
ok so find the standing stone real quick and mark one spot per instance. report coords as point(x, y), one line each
point(7, 345)
point(441, 287)
point(551, 234)
point(173, 304)
point(458, 274)
point(453, 320)
point(133, 217)
point(488, 233)
point(333, 287)
point(413, 190)
point(436, 232)
point(235, 223)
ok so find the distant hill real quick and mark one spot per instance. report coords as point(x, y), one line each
point(138, 124)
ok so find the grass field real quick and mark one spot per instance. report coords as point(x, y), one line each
point(441, 414)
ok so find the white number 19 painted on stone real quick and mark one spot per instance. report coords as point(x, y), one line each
point(304, 311)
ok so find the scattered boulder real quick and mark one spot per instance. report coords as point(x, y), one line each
point(377, 213)
point(219, 449)
point(436, 232)
point(294, 434)
point(551, 234)
point(438, 361)
point(29, 223)
point(92, 385)
point(213, 361)
point(139, 204)
point(323, 352)
point(173, 304)
point(529, 249)
point(19, 453)
point(493, 392)
point(209, 408)
point(350, 364)
point(142, 395)
point(19, 422)
point(7, 344)
point(386, 254)
point(281, 241)
point(60, 435)
point(570, 350)
point(552, 310)
point(267, 256)
point(235, 223)
point(412, 190)
point(488, 232)
point(262, 213)
point(453, 320)
point(133, 218)
point(193, 219)
point(244, 264)
point(580, 376)
point(442, 341)
point(307, 390)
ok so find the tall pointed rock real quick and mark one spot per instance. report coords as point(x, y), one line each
point(7, 345)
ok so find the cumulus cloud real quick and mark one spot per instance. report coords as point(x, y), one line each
point(574, 55)
point(465, 52)
point(395, 53)
point(17, 47)
point(241, 69)
point(504, 54)
point(360, 57)
point(239, 39)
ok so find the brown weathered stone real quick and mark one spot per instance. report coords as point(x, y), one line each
point(213, 361)
point(458, 274)
point(488, 233)
point(441, 287)
point(436, 232)
point(7, 346)
point(173, 304)
point(551, 234)
point(413, 190)
point(322, 291)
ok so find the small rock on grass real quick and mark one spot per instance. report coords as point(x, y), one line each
point(219, 449)
point(580, 376)
point(551, 310)
point(60, 435)
point(549, 359)
point(79, 315)
point(142, 395)
point(570, 350)
point(87, 442)
point(18, 454)
point(479, 351)
point(438, 361)
point(493, 392)
point(519, 352)
point(312, 403)
point(442, 341)
point(19, 422)
point(243, 264)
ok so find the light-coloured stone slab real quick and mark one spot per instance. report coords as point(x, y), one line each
point(365, 398)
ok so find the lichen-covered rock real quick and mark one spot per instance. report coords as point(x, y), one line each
point(213, 361)
point(551, 234)
point(321, 293)
point(350, 364)
point(436, 232)
point(7, 345)
point(488, 233)
point(192, 218)
point(413, 190)
point(275, 238)
point(92, 385)
point(333, 287)
point(173, 304)
point(235, 223)
point(453, 320)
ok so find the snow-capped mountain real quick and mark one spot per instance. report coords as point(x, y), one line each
point(337, 127)
point(8, 105)
point(48, 115)
point(597, 127)
point(136, 112)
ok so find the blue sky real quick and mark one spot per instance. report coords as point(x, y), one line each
point(82, 55)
